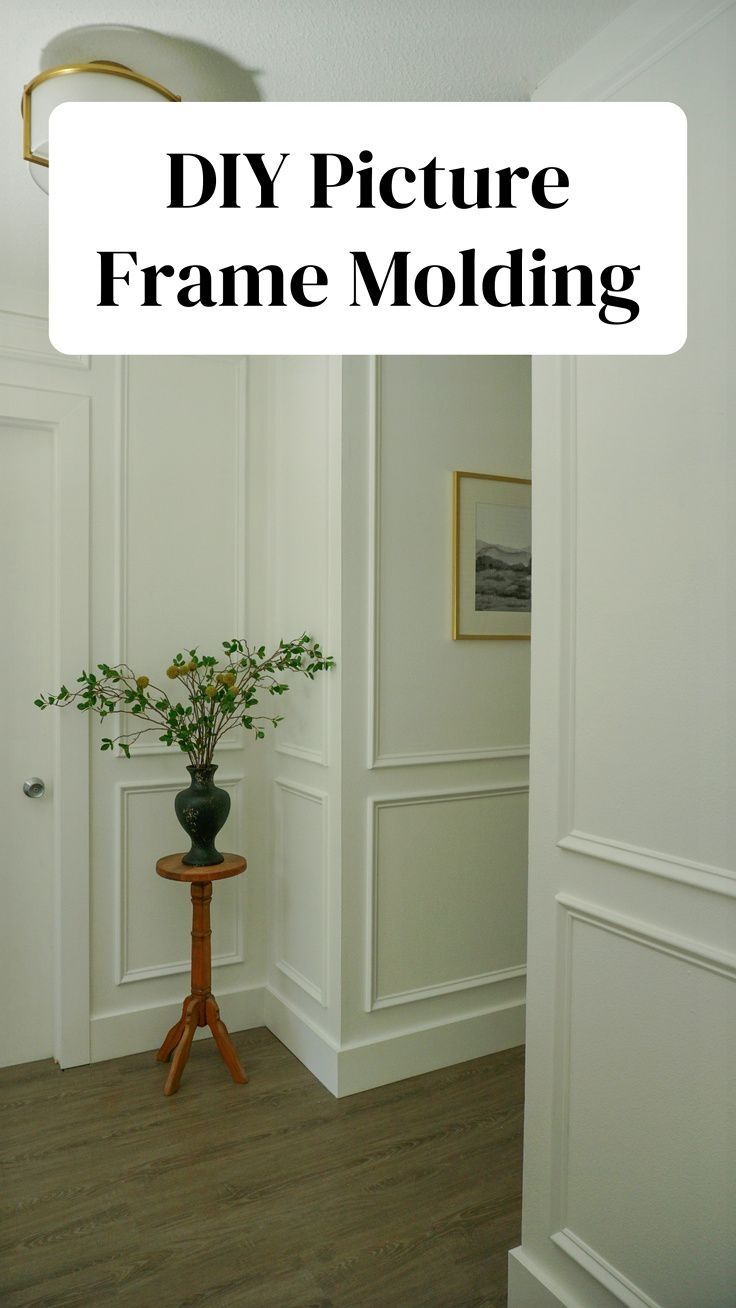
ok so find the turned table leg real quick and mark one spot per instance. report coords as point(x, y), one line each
point(200, 1007)
point(201, 941)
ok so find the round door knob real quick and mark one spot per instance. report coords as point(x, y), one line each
point(34, 787)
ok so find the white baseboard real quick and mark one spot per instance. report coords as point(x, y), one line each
point(312, 1046)
point(114, 1035)
point(349, 1069)
point(531, 1287)
point(410, 1053)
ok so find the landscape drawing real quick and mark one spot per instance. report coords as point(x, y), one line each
point(503, 559)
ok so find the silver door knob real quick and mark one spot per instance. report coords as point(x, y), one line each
point(34, 787)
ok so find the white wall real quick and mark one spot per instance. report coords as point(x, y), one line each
point(379, 929)
point(401, 800)
point(172, 499)
point(434, 806)
point(630, 1138)
point(169, 539)
point(300, 435)
point(435, 700)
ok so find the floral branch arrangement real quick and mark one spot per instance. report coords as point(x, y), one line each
point(221, 694)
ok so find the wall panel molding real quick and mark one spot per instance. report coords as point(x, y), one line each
point(301, 752)
point(568, 615)
point(24, 338)
point(626, 1291)
point(122, 439)
point(330, 569)
point(122, 396)
point(374, 556)
point(315, 988)
point(705, 876)
point(656, 34)
point(376, 804)
point(124, 973)
point(377, 757)
point(628, 1024)
point(447, 987)
point(433, 758)
point(681, 948)
point(640, 859)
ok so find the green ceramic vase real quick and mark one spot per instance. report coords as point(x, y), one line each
point(202, 810)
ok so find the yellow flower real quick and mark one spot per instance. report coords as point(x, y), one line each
point(173, 672)
point(191, 665)
point(226, 678)
point(141, 682)
point(210, 691)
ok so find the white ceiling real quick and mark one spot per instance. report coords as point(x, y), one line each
point(277, 50)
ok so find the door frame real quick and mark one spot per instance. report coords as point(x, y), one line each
point(67, 418)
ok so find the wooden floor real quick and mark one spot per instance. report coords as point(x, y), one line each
point(270, 1195)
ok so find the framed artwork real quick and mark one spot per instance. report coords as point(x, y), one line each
point(492, 557)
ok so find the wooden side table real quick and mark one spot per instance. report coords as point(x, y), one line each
point(200, 1006)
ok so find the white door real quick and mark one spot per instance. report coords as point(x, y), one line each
point(44, 526)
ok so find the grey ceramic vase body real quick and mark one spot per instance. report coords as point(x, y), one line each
point(202, 810)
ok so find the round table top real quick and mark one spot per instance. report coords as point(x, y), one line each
point(173, 869)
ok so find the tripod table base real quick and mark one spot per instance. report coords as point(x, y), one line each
point(200, 1007)
point(198, 1010)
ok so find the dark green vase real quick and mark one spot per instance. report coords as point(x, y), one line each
point(202, 810)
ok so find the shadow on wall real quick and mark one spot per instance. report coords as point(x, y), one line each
point(193, 70)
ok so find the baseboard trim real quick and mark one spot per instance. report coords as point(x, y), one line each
point(347, 1070)
point(530, 1287)
point(364, 1064)
point(115, 1035)
point(308, 1042)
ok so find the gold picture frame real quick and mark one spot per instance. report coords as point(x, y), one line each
point(496, 606)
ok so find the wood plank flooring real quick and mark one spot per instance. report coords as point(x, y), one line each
point(270, 1195)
